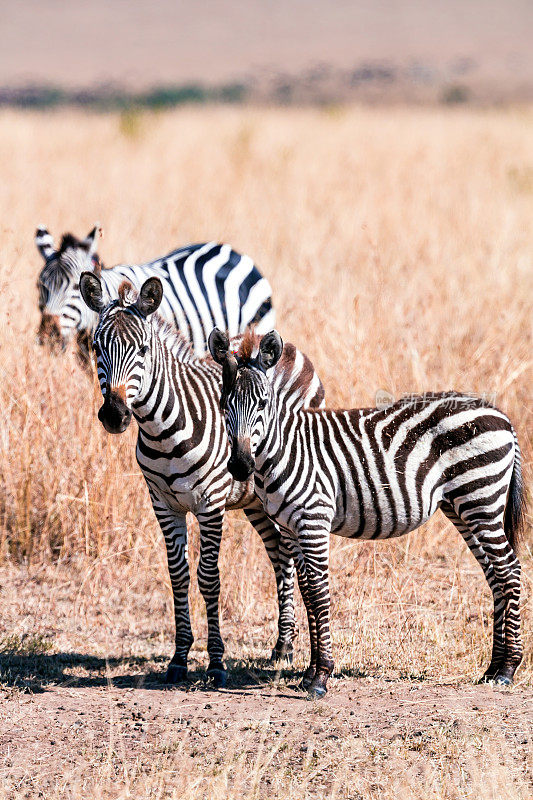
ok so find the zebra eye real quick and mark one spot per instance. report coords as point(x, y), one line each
point(261, 404)
point(143, 350)
point(76, 287)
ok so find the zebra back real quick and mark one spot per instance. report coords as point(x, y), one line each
point(204, 285)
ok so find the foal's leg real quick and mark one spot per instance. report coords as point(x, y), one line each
point(310, 672)
point(314, 544)
point(507, 570)
point(484, 521)
point(210, 523)
point(475, 547)
point(174, 528)
point(283, 566)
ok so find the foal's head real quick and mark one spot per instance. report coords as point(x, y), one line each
point(122, 342)
point(247, 399)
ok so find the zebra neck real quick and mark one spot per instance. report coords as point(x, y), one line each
point(164, 411)
point(269, 454)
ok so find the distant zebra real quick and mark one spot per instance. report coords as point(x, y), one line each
point(204, 285)
point(376, 473)
point(147, 370)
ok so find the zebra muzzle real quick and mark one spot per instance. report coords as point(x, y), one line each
point(49, 332)
point(114, 414)
point(241, 463)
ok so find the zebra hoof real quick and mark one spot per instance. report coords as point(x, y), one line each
point(502, 680)
point(308, 678)
point(176, 674)
point(218, 677)
point(316, 692)
point(491, 672)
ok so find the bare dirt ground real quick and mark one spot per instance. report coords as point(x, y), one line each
point(364, 720)
point(84, 707)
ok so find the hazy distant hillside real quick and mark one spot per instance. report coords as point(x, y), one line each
point(376, 47)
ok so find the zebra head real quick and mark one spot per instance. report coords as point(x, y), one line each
point(122, 344)
point(247, 399)
point(63, 313)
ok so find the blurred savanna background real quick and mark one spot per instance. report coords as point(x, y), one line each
point(376, 161)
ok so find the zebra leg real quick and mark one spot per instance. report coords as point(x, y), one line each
point(283, 566)
point(310, 672)
point(505, 576)
point(507, 571)
point(287, 621)
point(315, 550)
point(475, 547)
point(174, 529)
point(208, 575)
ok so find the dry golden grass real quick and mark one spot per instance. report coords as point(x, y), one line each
point(399, 246)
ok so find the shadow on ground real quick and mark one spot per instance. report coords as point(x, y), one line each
point(36, 672)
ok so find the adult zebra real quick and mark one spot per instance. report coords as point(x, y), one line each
point(147, 370)
point(376, 473)
point(204, 285)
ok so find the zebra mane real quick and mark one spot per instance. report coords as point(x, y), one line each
point(126, 294)
point(249, 345)
point(173, 338)
point(293, 373)
point(175, 341)
point(68, 240)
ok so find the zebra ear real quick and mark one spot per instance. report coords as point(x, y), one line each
point(229, 376)
point(218, 344)
point(44, 242)
point(270, 349)
point(91, 240)
point(91, 291)
point(150, 296)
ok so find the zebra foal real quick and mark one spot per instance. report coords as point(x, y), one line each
point(373, 474)
point(205, 285)
point(148, 371)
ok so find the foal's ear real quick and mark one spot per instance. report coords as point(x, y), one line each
point(44, 242)
point(150, 296)
point(218, 344)
point(270, 349)
point(91, 240)
point(91, 291)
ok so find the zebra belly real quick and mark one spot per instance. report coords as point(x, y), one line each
point(179, 501)
point(181, 495)
point(367, 513)
point(384, 530)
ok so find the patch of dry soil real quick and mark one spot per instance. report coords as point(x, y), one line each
point(49, 732)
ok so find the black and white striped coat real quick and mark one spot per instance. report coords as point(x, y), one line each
point(204, 285)
point(148, 371)
point(373, 474)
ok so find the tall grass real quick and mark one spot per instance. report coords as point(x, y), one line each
point(398, 244)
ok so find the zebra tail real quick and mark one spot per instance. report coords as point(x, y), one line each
point(515, 510)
